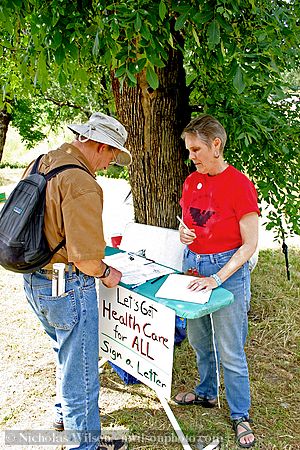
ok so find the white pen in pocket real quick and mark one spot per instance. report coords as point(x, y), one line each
point(54, 282)
point(58, 279)
point(182, 223)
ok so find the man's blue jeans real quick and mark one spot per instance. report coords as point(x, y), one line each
point(71, 321)
point(231, 328)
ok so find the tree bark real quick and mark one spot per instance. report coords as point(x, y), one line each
point(5, 118)
point(155, 120)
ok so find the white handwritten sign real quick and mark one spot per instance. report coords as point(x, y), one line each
point(137, 334)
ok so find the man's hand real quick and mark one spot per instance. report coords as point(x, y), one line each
point(186, 236)
point(96, 268)
point(113, 278)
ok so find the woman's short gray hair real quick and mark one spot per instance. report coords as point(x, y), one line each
point(207, 128)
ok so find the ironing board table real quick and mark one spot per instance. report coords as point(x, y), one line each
point(219, 297)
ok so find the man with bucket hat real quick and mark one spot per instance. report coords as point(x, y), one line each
point(74, 203)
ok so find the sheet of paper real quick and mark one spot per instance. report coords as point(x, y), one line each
point(176, 288)
point(136, 269)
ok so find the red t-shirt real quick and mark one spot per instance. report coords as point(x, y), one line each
point(214, 205)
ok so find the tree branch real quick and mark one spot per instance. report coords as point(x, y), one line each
point(68, 104)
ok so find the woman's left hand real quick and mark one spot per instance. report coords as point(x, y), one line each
point(203, 284)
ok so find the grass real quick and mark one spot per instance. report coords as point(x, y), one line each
point(273, 351)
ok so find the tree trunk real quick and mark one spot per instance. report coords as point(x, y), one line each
point(5, 118)
point(155, 120)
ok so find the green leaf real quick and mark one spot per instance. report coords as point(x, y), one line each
point(115, 30)
point(56, 40)
point(145, 32)
point(190, 78)
point(8, 107)
point(141, 64)
point(152, 78)
point(155, 61)
point(107, 58)
point(17, 3)
point(59, 55)
point(137, 23)
point(213, 34)
point(171, 41)
point(203, 17)
point(3, 92)
point(131, 77)
point(238, 81)
point(6, 23)
point(196, 36)
point(41, 65)
point(62, 78)
point(81, 74)
point(223, 49)
point(261, 36)
point(73, 50)
point(95, 49)
point(120, 71)
point(180, 22)
point(162, 10)
point(224, 24)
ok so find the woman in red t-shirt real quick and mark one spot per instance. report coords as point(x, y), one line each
point(219, 207)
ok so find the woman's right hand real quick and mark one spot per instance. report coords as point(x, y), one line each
point(186, 236)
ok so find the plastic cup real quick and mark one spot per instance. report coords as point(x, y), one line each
point(116, 240)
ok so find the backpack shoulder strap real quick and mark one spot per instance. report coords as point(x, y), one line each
point(52, 173)
point(36, 164)
point(58, 247)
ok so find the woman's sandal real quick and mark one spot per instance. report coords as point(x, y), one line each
point(198, 400)
point(241, 422)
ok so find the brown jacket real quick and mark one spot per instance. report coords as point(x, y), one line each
point(74, 204)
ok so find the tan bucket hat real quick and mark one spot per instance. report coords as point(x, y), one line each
point(107, 130)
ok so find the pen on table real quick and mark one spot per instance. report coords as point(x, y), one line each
point(136, 285)
point(156, 279)
point(182, 223)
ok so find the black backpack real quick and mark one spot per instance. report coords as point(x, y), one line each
point(23, 247)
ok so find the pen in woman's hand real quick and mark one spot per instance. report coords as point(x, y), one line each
point(187, 235)
point(182, 223)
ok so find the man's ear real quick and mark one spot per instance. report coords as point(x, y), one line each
point(101, 147)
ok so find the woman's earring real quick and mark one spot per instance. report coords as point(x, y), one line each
point(217, 155)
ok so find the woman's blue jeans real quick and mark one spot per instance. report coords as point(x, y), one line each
point(71, 321)
point(231, 328)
